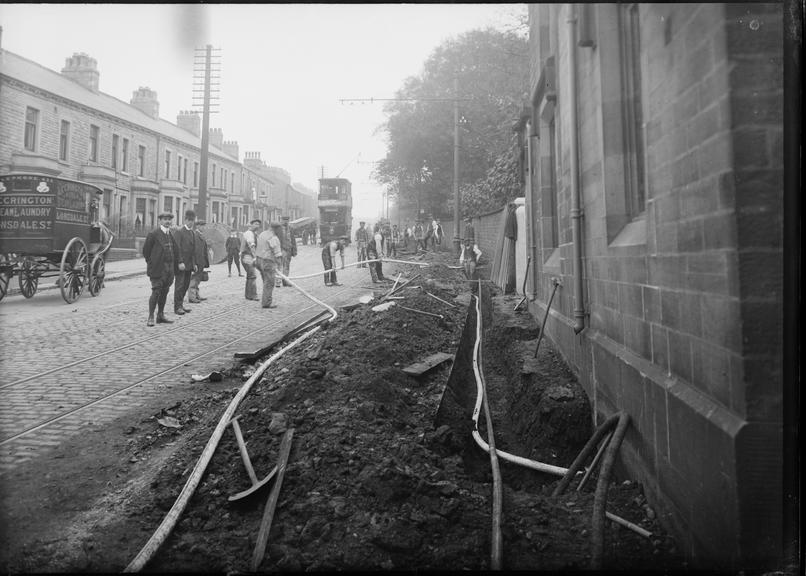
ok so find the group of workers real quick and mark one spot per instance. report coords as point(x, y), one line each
point(175, 257)
point(178, 257)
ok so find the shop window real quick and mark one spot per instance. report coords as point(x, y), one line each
point(31, 128)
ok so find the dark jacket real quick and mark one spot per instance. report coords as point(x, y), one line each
point(186, 241)
point(233, 244)
point(159, 250)
point(202, 254)
point(287, 241)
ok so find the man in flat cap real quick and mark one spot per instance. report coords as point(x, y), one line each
point(159, 251)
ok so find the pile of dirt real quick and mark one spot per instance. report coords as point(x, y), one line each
point(372, 483)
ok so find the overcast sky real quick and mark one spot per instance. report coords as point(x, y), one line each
point(284, 68)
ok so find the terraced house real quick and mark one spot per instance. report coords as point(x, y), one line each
point(60, 124)
point(654, 186)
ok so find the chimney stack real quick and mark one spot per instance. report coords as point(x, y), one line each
point(231, 148)
point(252, 160)
point(189, 121)
point(82, 69)
point(217, 138)
point(145, 100)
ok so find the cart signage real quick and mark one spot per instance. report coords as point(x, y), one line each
point(27, 205)
point(37, 212)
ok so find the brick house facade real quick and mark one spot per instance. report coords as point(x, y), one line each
point(665, 121)
point(61, 125)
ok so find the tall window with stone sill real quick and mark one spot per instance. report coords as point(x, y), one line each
point(630, 35)
point(64, 140)
point(31, 128)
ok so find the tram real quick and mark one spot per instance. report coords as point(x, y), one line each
point(335, 209)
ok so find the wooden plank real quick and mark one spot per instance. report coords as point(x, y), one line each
point(271, 504)
point(420, 368)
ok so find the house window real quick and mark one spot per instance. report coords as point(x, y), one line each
point(124, 156)
point(232, 182)
point(185, 171)
point(167, 164)
point(630, 35)
point(140, 213)
point(152, 212)
point(141, 160)
point(31, 128)
point(168, 204)
point(214, 170)
point(115, 139)
point(64, 140)
point(94, 133)
point(195, 174)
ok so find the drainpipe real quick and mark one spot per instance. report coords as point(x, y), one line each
point(576, 210)
point(530, 190)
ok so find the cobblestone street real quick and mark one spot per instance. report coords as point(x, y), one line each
point(69, 367)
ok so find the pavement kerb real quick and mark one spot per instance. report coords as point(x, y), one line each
point(127, 269)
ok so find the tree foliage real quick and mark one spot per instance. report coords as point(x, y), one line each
point(491, 69)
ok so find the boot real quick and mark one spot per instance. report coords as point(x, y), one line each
point(150, 320)
point(179, 311)
point(161, 319)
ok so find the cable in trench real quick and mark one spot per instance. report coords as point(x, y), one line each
point(171, 518)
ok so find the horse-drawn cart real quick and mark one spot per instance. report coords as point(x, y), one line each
point(48, 229)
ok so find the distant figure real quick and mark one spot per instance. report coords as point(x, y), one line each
point(361, 240)
point(329, 251)
point(248, 244)
point(437, 233)
point(394, 241)
point(185, 261)
point(419, 236)
point(289, 245)
point(202, 259)
point(233, 246)
point(374, 253)
point(159, 250)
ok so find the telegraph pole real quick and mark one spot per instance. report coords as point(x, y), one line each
point(456, 196)
point(457, 199)
point(209, 97)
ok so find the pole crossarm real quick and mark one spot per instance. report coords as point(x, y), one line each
point(343, 100)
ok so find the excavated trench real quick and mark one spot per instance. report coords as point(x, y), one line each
point(384, 473)
point(539, 411)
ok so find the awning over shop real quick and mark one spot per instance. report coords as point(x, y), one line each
point(301, 222)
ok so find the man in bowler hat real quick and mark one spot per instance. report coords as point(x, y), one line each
point(159, 251)
point(185, 261)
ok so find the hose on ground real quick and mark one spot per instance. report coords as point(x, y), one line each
point(600, 499)
point(168, 523)
point(495, 553)
point(585, 453)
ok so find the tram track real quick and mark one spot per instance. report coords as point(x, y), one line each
point(43, 424)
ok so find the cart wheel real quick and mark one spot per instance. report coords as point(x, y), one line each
point(5, 278)
point(73, 270)
point(97, 273)
point(28, 278)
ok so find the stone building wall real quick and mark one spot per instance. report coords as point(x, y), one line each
point(682, 288)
